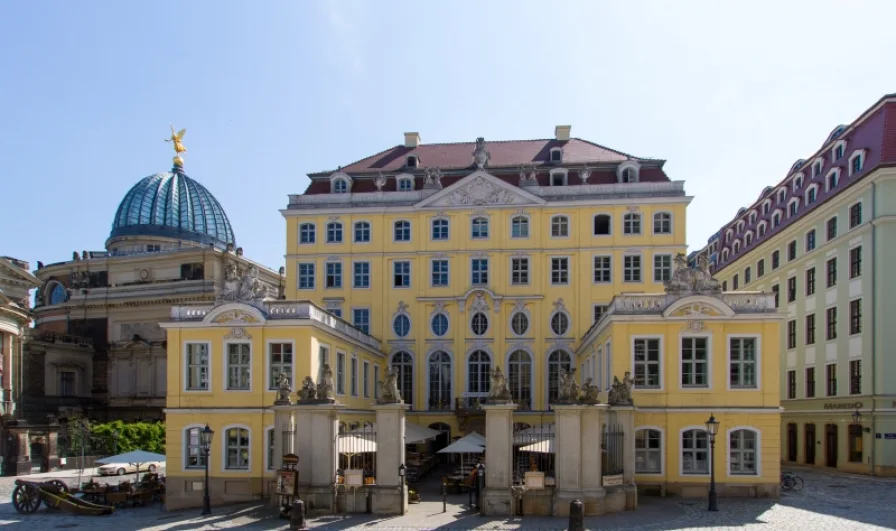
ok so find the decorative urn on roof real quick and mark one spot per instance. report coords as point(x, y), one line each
point(480, 154)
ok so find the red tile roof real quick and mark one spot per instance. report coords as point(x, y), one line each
point(509, 153)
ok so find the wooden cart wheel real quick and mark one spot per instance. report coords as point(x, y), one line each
point(63, 488)
point(26, 499)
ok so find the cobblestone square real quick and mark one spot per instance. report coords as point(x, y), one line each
point(829, 502)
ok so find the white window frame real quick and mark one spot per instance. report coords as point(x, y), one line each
point(561, 172)
point(817, 167)
point(662, 450)
point(356, 324)
point(395, 318)
point(758, 451)
point(399, 179)
point(709, 364)
point(834, 174)
point(604, 257)
point(432, 227)
point(354, 367)
point(340, 356)
point(857, 154)
point(560, 219)
point(355, 274)
point(752, 216)
point(748, 238)
point(223, 443)
point(340, 276)
point(433, 351)
point(272, 385)
point(208, 370)
point(758, 339)
point(185, 440)
point(797, 182)
point(226, 359)
point(661, 361)
point(487, 271)
point(813, 188)
point(432, 276)
point(659, 214)
point(795, 212)
point(313, 232)
point(395, 229)
point(432, 320)
point(488, 321)
point(365, 377)
point(551, 322)
point(838, 144)
point(671, 267)
point(610, 224)
point(630, 219)
point(551, 270)
point(355, 231)
point(268, 462)
point(634, 176)
point(681, 451)
point(527, 222)
point(640, 268)
point(761, 229)
point(528, 270)
point(556, 150)
point(525, 313)
point(780, 195)
point(766, 206)
point(299, 276)
point(338, 228)
point(410, 274)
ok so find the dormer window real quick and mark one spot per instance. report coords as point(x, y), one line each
point(856, 161)
point(556, 154)
point(412, 161)
point(740, 226)
point(340, 186)
point(558, 177)
point(760, 230)
point(736, 247)
point(405, 184)
point(838, 150)
point(811, 194)
point(628, 175)
point(782, 194)
point(793, 206)
point(748, 237)
point(766, 207)
point(797, 182)
point(832, 179)
point(752, 217)
point(628, 172)
point(340, 183)
point(816, 168)
point(776, 219)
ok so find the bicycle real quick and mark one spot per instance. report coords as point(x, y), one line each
point(790, 481)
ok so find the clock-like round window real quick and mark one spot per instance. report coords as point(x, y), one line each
point(559, 323)
point(439, 324)
point(401, 325)
point(519, 323)
point(479, 324)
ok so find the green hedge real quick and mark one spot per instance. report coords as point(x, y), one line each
point(149, 436)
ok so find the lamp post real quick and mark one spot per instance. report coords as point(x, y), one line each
point(712, 427)
point(402, 470)
point(206, 440)
point(115, 436)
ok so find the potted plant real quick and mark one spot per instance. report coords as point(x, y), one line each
point(413, 496)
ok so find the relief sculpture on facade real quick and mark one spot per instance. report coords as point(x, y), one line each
point(481, 192)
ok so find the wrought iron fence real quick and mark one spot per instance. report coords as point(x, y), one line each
point(534, 450)
point(356, 447)
point(612, 450)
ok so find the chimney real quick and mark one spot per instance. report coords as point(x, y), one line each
point(412, 140)
point(561, 132)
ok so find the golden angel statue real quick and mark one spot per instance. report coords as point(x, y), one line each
point(176, 138)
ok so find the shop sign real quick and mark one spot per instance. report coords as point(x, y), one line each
point(890, 436)
point(843, 405)
point(612, 481)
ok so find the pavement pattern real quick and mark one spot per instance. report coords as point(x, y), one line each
point(829, 502)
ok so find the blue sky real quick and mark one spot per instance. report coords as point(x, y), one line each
point(731, 94)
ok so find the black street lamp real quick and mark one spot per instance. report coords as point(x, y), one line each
point(206, 440)
point(115, 436)
point(712, 427)
point(402, 470)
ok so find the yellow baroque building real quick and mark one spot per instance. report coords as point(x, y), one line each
point(445, 261)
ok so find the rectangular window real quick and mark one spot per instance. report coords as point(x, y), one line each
point(520, 227)
point(376, 378)
point(365, 379)
point(362, 232)
point(791, 384)
point(810, 281)
point(280, 362)
point(734, 282)
point(439, 272)
point(832, 228)
point(662, 267)
point(479, 228)
point(519, 271)
point(810, 329)
point(323, 356)
point(354, 376)
point(831, 379)
point(742, 363)
point(724, 285)
point(195, 455)
point(361, 319)
point(855, 316)
point(855, 443)
point(559, 270)
point(440, 229)
point(647, 363)
point(760, 268)
point(197, 366)
point(631, 224)
point(631, 270)
point(362, 275)
point(306, 276)
point(479, 270)
point(336, 311)
point(791, 289)
point(694, 362)
point(239, 363)
point(776, 260)
point(855, 215)
point(603, 269)
point(401, 274)
point(855, 262)
point(832, 272)
point(855, 377)
point(334, 274)
point(340, 373)
point(810, 382)
point(810, 240)
point(791, 251)
point(599, 310)
point(694, 452)
point(776, 290)
point(648, 452)
point(748, 275)
point(791, 333)
point(66, 383)
point(831, 323)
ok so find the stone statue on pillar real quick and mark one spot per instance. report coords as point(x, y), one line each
point(325, 383)
point(589, 392)
point(308, 391)
point(283, 389)
point(621, 392)
point(388, 388)
point(498, 392)
point(568, 390)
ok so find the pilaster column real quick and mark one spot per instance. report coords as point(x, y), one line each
point(592, 469)
point(284, 441)
point(496, 499)
point(317, 426)
point(390, 495)
point(625, 416)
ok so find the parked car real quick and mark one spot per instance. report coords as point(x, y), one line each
point(120, 469)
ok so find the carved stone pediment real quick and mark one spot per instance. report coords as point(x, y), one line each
point(235, 316)
point(696, 309)
point(481, 189)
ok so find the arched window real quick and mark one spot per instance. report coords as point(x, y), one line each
point(402, 231)
point(648, 451)
point(557, 360)
point(748, 238)
point(334, 232)
point(519, 323)
point(519, 227)
point(403, 364)
point(479, 367)
point(602, 225)
point(440, 229)
point(559, 323)
point(662, 223)
point(742, 447)
point(340, 186)
point(193, 456)
point(631, 224)
point(479, 323)
point(401, 325)
point(440, 381)
point(57, 294)
point(559, 227)
point(439, 324)
point(776, 219)
point(761, 229)
point(236, 449)
point(519, 378)
point(629, 176)
point(694, 452)
point(556, 155)
point(736, 247)
point(306, 233)
point(362, 232)
point(405, 184)
point(479, 229)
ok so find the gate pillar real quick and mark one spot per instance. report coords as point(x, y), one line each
point(390, 495)
point(315, 444)
point(625, 416)
point(496, 497)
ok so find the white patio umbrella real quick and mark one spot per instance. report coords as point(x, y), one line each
point(352, 445)
point(135, 457)
point(542, 447)
point(413, 433)
point(532, 435)
point(462, 446)
point(475, 437)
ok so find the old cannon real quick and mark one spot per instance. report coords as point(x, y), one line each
point(28, 495)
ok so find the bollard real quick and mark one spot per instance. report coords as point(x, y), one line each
point(480, 485)
point(444, 497)
point(576, 515)
point(297, 516)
